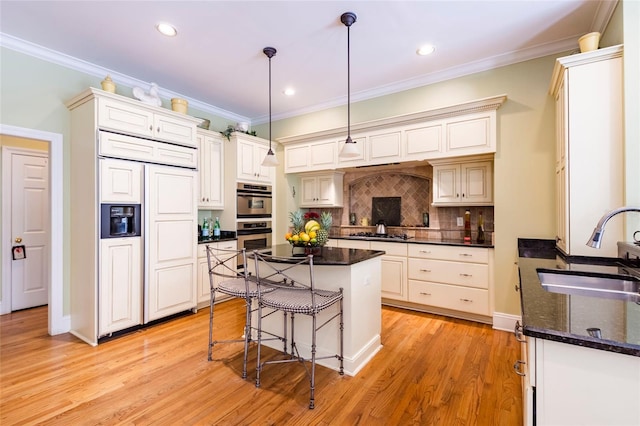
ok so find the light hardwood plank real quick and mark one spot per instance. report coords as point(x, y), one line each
point(432, 370)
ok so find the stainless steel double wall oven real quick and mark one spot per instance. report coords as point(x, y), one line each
point(254, 202)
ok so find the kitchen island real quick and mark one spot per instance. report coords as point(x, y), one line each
point(358, 273)
point(581, 354)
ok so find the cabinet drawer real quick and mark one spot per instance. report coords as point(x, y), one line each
point(225, 245)
point(453, 253)
point(463, 299)
point(355, 244)
point(127, 147)
point(390, 249)
point(458, 273)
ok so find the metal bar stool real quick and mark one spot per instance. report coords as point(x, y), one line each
point(295, 296)
point(225, 278)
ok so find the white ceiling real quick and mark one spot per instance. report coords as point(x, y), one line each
point(216, 61)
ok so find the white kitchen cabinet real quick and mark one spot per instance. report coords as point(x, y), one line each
point(471, 134)
point(384, 147)
point(394, 269)
point(354, 244)
point(468, 183)
point(120, 181)
point(588, 93)
point(321, 190)
point(204, 292)
point(525, 367)
point(120, 274)
point(455, 278)
point(444, 133)
point(308, 157)
point(140, 120)
point(210, 170)
point(423, 141)
point(106, 130)
point(577, 385)
point(250, 153)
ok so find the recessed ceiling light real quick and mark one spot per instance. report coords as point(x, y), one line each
point(427, 49)
point(166, 29)
point(289, 91)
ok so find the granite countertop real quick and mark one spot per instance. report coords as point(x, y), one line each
point(224, 236)
point(565, 318)
point(444, 242)
point(332, 256)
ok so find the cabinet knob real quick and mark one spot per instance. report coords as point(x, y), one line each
point(158, 130)
point(150, 128)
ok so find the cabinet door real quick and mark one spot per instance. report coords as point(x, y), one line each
point(309, 187)
point(171, 241)
point(446, 184)
point(394, 277)
point(326, 190)
point(113, 115)
point(476, 182)
point(470, 134)
point(383, 148)
point(423, 142)
point(263, 174)
point(246, 160)
point(120, 284)
point(120, 181)
point(173, 129)
point(204, 292)
point(211, 173)
point(562, 202)
point(322, 155)
point(296, 158)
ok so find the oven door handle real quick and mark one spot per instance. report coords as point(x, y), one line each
point(253, 232)
point(254, 195)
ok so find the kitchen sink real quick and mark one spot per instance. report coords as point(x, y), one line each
point(612, 286)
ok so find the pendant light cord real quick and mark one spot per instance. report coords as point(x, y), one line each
point(348, 84)
point(270, 151)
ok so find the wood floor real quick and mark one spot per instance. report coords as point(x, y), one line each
point(432, 370)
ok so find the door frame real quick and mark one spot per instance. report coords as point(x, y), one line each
point(57, 322)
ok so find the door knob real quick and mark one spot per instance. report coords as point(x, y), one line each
point(18, 240)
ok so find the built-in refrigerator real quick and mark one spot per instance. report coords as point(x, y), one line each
point(147, 275)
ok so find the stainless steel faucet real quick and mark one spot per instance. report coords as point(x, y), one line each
point(596, 236)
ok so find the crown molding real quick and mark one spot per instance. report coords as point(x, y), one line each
point(85, 67)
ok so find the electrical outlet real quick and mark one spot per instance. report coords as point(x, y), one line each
point(460, 222)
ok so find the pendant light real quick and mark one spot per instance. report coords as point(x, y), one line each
point(270, 159)
point(349, 148)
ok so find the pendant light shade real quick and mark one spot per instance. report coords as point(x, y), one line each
point(270, 159)
point(350, 149)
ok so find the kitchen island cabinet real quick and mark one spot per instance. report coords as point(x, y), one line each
point(204, 287)
point(358, 273)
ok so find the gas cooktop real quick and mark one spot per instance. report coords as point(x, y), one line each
point(373, 235)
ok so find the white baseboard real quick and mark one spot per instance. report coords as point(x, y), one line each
point(505, 322)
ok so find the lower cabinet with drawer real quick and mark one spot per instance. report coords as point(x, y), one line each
point(204, 293)
point(452, 280)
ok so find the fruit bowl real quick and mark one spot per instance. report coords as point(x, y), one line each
point(305, 244)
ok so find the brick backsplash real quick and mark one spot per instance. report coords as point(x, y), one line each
point(414, 186)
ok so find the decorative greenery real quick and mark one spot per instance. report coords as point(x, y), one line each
point(231, 129)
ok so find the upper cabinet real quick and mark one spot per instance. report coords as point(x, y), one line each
point(250, 153)
point(210, 170)
point(455, 131)
point(321, 189)
point(588, 93)
point(140, 120)
point(468, 183)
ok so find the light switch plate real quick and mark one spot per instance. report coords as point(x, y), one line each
point(460, 222)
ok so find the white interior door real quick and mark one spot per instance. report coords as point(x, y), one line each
point(171, 240)
point(29, 219)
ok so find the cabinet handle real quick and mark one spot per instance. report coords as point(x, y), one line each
point(463, 195)
point(150, 128)
point(466, 300)
point(158, 130)
point(425, 270)
point(425, 251)
point(457, 195)
point(425, 294)
point(466, 275)
point(465, 255)
point(517, 331)
point(516, 368)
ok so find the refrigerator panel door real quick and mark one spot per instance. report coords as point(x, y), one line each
point(171, 241)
